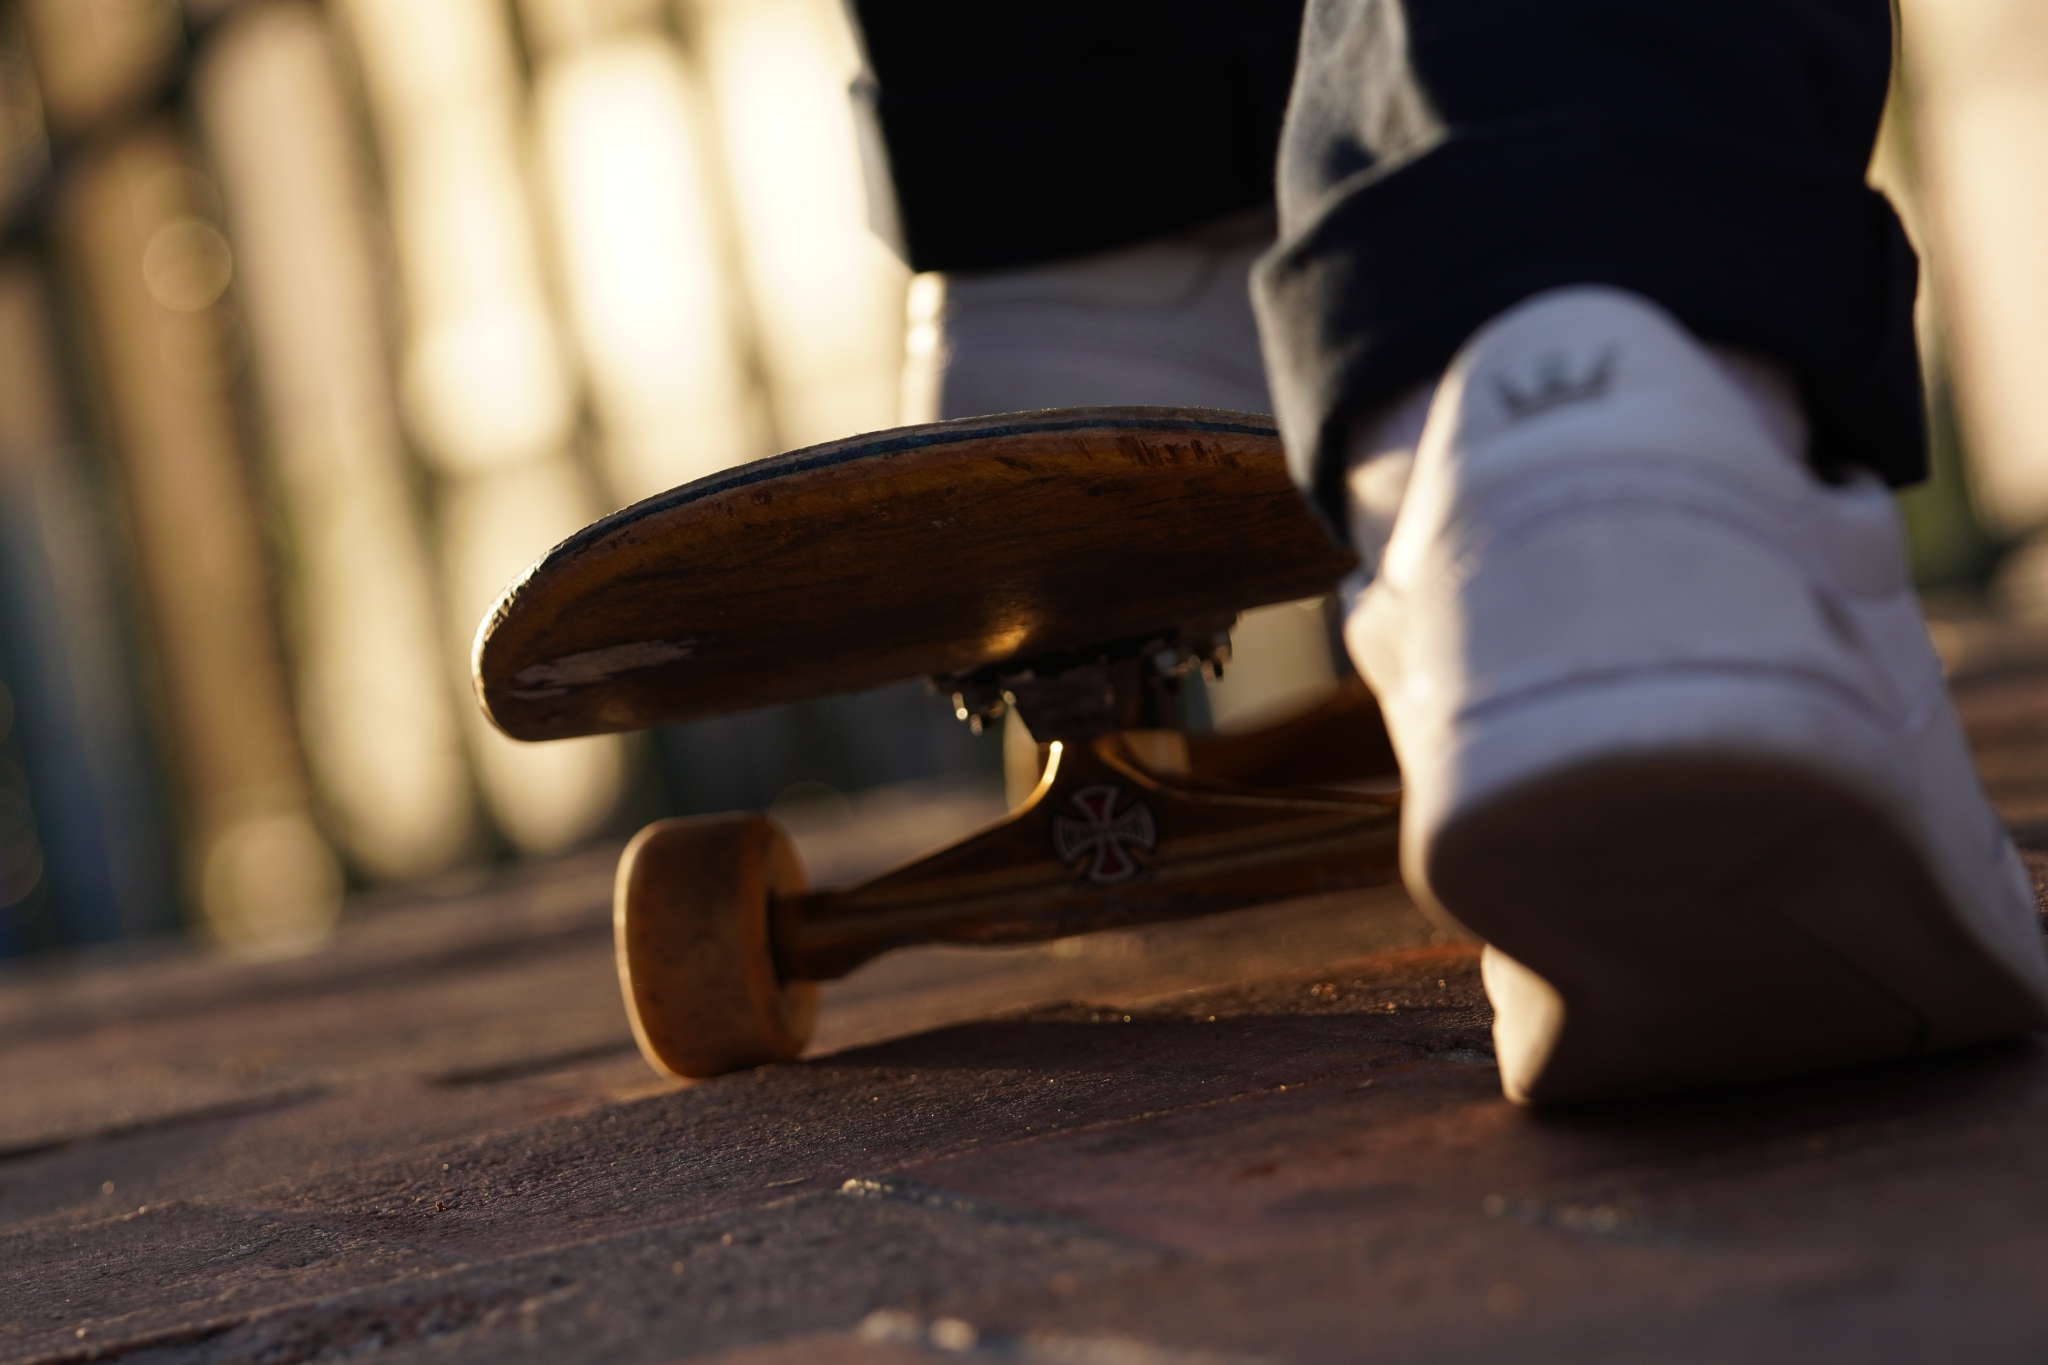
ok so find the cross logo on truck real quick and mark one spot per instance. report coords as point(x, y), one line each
point(1103, 836)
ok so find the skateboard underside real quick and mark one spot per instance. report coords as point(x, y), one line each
point(925, 552)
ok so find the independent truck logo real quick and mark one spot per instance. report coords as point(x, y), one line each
point(1102, 836)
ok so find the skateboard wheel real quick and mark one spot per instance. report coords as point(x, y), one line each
point(690, 913)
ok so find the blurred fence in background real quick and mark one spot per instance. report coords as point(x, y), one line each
point(318, 322)
point(1972, 149)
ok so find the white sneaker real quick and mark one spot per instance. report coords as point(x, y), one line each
point(1167, 323)
point(1674, 741)
point(1164, 323)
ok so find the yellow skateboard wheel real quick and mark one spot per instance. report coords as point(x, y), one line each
point(696, 966)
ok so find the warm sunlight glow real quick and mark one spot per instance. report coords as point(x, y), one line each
point(485, 380)
point(1978, 71)
point(828, 295)
point(378, 716)
point(640, 252)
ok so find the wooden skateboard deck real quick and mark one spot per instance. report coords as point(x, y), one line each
point(1072, 563)
point(917, 552)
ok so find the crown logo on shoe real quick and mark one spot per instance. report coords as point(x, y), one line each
point(1555, 384)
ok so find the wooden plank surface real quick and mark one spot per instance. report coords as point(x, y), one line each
point(1275, 1136)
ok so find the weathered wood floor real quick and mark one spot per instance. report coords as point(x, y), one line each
point(1273, 1136)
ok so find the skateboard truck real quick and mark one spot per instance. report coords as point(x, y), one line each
point(1129, 684)
point(720, 943)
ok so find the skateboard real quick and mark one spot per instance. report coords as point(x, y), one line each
point(1077, 565)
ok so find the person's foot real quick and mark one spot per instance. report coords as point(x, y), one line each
point(1674, 742)
point(1166, 323)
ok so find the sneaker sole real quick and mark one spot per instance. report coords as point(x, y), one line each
point(1712, 920)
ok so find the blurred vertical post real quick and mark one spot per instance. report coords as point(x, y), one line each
point(375, 705)
point(24, 143)
point(96, 57)
point(87, 832)
point(644, 243)
point(828, 295)
point(140, 219)
point(487, 387)
point(1977, 71)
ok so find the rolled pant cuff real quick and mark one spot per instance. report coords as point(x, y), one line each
point(1786, 256)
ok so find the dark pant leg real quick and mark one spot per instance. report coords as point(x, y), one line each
point(1018, 134)
point(1444, 159)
